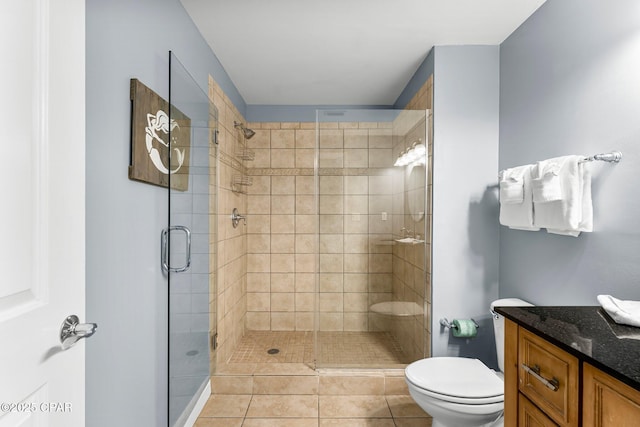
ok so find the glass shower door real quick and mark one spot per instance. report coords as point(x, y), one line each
point(190, 258)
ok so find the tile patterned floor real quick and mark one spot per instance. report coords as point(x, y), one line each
point(335, 349)
point(294, 395)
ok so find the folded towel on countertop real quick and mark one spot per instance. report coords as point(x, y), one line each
point(516, 203)
point(624, 312)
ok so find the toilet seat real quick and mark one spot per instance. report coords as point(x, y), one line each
point(456, 380)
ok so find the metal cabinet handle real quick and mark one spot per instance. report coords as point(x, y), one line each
point(164, 255)
point(72, 331)
point(553, 384)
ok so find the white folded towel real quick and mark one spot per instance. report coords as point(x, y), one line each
point(512, 185)
point(514, 214)
point(546, 184)
point(623, 312)
point(573, 212)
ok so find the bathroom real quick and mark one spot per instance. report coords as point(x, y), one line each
point(564, 82)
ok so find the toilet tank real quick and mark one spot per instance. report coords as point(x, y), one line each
point(498, 324)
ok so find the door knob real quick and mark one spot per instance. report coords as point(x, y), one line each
point(72, 331)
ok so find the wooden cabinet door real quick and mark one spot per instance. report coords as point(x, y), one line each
point(608, 402)
point(510, 373)
point(530, 416)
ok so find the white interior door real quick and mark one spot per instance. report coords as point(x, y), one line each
point(42, 107)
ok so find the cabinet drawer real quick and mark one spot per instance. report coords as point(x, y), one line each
point(548, 376)
point(530, 416)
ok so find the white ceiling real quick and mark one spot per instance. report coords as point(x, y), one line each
point(342, 52)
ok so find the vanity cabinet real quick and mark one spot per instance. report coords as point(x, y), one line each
point(608, 402)
point(547, 386)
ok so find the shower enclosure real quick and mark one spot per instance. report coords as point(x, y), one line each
point(188, 255)
point(373, 198)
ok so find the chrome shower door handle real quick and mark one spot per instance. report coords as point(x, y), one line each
point(164, 243)
point(73, 331)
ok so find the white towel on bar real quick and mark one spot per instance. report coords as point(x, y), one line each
point(622, 311)
point(546, 183)
point(514, 214)
point(573, 212)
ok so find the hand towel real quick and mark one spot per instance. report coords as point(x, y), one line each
point(512, 185)
point(518, 216)
point(573, 213)
point(546, 184)
point(623, 312)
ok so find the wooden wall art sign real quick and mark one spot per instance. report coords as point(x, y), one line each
point(154, 158)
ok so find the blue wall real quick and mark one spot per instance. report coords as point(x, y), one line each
point(570, 85)
point(126, 370)
point(465, 216)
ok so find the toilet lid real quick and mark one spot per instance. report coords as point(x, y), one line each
point(456, 377)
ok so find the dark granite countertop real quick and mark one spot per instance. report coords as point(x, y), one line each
point(588, 333)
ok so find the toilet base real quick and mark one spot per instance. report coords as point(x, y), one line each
point(497, 423)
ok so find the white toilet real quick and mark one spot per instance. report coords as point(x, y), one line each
point(462, 392)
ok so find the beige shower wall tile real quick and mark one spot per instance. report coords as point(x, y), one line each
point(285, 185)
point(261, 185)
point(283, 158)
point(305, 321)
point(262, 158)
point(331, 263)
point(258, 301)
point(283, 224)
point(282, 263)
point(305, 205)
point(283, 301)
point(305, 185)
point(305, 263)
point(258, 263)
point(283, 204)
point(306, 244)
point(356, 302)
point(262, 139)
point(331, 282)
point(305, 157)
point(305, 138)
point(304, 301)
point(258, 321)
point(356, 204)
point(283, 243)
point(305, 282)
point(380, 138)
point(331, 138)
point(331, 302)
point(380, 158)
point(356, 263)
point(258, 244)
point(331, 243)
point(258, 224)
point(356, 158)
point(356, 322)
point(283, 138)
point(356, 185)
point(258, 282)
point(282, 282)
point(283, 321)
point(306, 224)
point(356, 243)
point(331, 224)
point(356, 138)
point(331, 158)
point(331, 185)
point(258, 204)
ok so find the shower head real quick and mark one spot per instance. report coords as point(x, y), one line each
point(248, 133)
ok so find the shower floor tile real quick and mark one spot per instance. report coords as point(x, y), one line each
point(335, 349)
